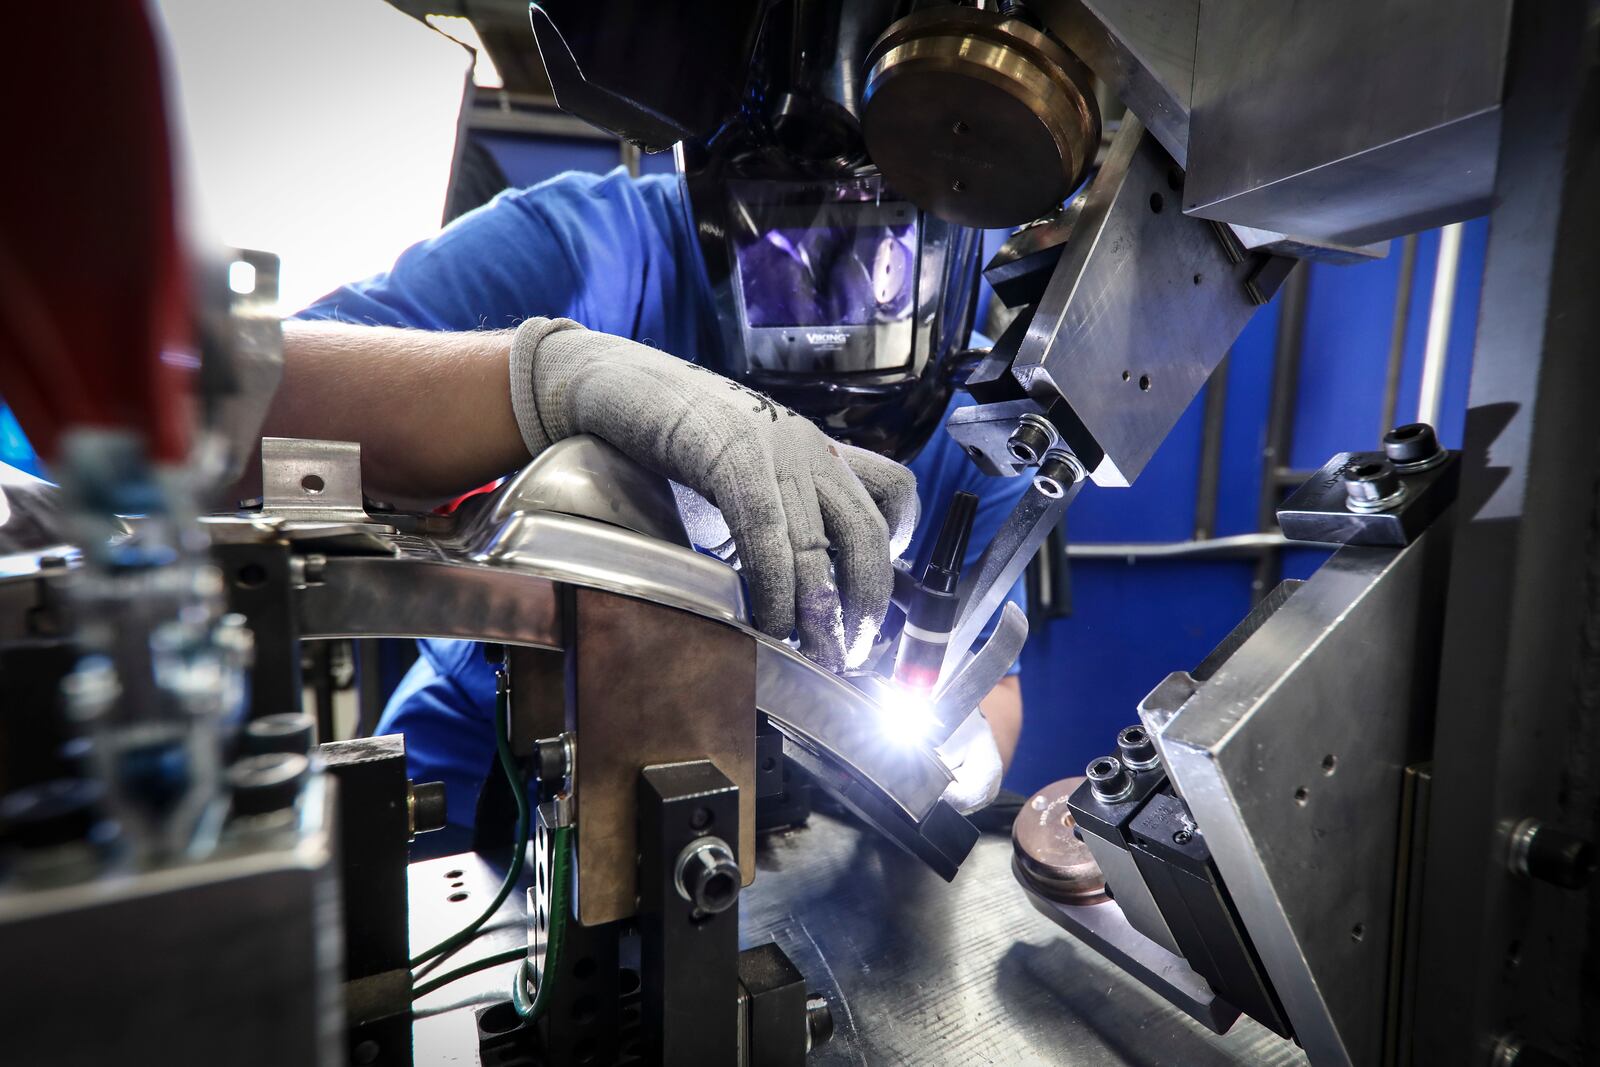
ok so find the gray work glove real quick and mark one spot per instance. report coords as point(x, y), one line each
point(786, 491)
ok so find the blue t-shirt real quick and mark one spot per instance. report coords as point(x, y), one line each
point(618, 255)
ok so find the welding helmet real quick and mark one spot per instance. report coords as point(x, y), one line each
point(835, 294)
point(807, 135)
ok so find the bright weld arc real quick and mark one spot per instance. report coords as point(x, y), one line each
point(906, 715)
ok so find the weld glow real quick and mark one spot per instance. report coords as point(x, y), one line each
point(905, 716)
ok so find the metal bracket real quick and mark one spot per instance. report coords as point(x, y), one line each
point(312, 480)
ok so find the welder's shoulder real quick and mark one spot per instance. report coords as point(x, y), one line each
point(594, 214)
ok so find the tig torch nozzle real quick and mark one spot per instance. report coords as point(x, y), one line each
point(931, 613)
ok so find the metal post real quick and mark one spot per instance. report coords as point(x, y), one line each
point(1280, 421)
point(1397, 333)
point(1209, 474)
point(1437, 350)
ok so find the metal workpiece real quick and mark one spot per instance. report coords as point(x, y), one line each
point(1298, 735)
point(1300, 125)
point(977, 676)
point(586, 477)
point(1143, 304)
point(978, 118)
point(1364, 498)
point(498, 578)
point(826, 715)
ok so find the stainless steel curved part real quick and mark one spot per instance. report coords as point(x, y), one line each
point(498, 578)
point(827, 715)
point(601, 556)
point(971, 682)
point(506, 592)
point(586, 477)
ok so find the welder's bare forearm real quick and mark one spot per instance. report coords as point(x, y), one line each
point(432, 411)
point(1003, 708)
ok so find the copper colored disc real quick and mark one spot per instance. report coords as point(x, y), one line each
point(1053, 860)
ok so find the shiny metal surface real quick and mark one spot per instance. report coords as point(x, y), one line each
point(1291, 756)
point(1516, 733)
point(586, 477)
point(973, 680)
point(1301, 125)
point(1105, 928)
point(312, 480)
point(1142, 306)
point(499, 583)
point(1007, 555)
point(829, 715)
point(917, 972)
point(561, 548)
point(1144, 51)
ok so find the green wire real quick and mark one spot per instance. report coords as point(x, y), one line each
point(560, 880)
point(508, 764)
point(510, 955)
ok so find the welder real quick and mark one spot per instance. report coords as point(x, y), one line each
point(771, 327)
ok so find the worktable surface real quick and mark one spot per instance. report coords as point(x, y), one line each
point(918, 971)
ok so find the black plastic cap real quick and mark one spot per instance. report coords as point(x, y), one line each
point(1560, 858)
point(1414, 442)
point(427, 807)
point(267, 783)
point(1136, 748)
point(1371, 480)
point(290, 731)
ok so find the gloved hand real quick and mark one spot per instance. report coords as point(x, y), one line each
point(974, 759)
point(786, 491)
